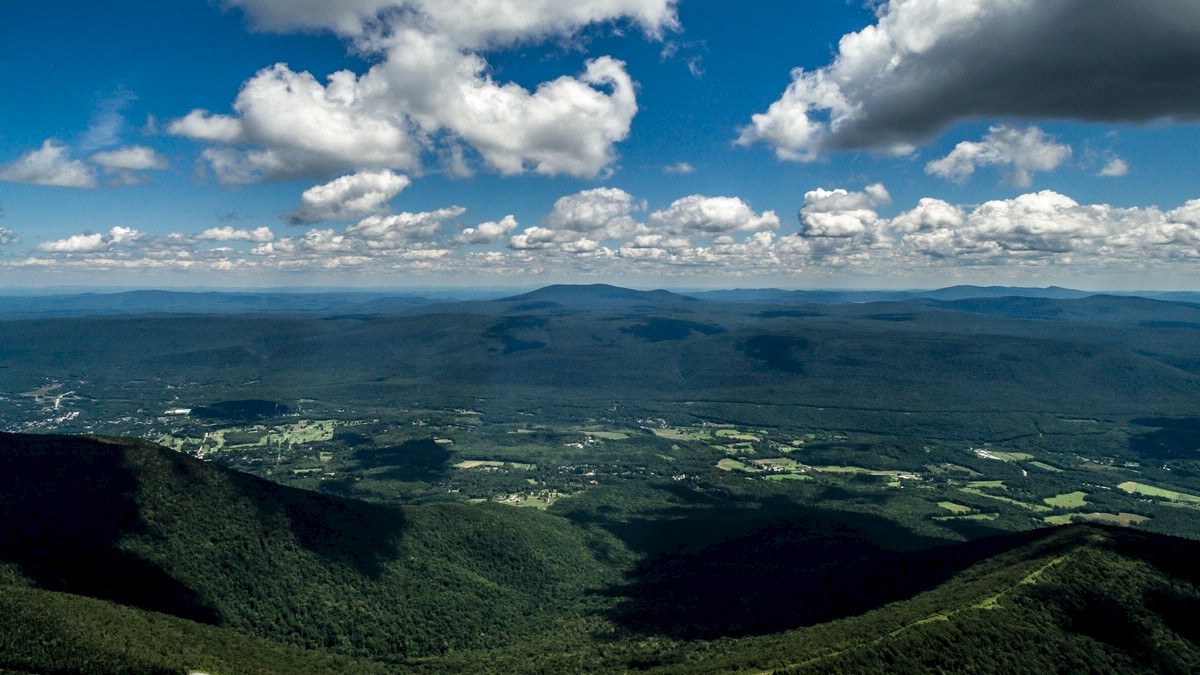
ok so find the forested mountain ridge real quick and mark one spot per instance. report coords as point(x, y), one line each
point(128, 557)
point(143, 526)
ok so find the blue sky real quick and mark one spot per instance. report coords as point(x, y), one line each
point(689, 143)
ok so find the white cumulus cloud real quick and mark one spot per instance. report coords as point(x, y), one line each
point(581, 220)
point(49, 165)
point(205, 126)
point(87, 243)
point(258, 235)
point(348, 197)
point(392, 231)
point(1115, 168)
point(1021, 152)
point(489, 232)
point(430, 90)
point(698, 215)
point(130, 158)
point(840, 213)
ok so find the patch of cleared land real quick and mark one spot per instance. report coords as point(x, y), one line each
point(893, 477)
point(858, 470)
point(937, 469)
point(1114, 518)
point(490, 464)
point(995, 484)
point(258, 435)
point(1154, 491)
point(1001, 456)
point(739, 448)
point(788, 476)
point(1070, 500)
point(728, 464)
point(608, 435)
point(681, 434)
point(1014, 502)
point(736, 435)
point(957, 509)
point(780, 464)
point(1046, 467)
point(541, 500)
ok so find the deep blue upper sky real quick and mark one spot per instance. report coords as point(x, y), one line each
point(646, 142)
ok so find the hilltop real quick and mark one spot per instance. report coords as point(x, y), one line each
point(597, 296)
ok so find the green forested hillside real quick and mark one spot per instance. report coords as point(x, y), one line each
point(49, 632)
point(122, 556)
point(1076, 599)
point(143, 526)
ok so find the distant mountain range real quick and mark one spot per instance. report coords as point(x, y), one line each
point(590, 296)
point(836, 297)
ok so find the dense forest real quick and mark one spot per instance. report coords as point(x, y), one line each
point(126, 557)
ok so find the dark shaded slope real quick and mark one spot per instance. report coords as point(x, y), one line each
point(64, 509)
point(729, 570)
point(140, 525)
point(1077, 599)
point(1080, 598)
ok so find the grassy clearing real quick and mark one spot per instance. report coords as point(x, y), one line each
point(304, 431)
point(736, 435)
point(957, 509)
point(1126, 519)
point(1001, 456)
point(853, 470)
point(608, 435)
point(994, 484)
point(728, 464)
point(681, 434)
point(1154, 491)
point(780, 463)
point(1046, 467)
point(1070, 500)
point(489, 464)
point(736, 450)
point(857, 470)
point(1025, 505)
point(788, 476)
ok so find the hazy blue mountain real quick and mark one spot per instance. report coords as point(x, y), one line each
point(207, 302)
